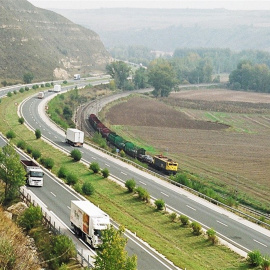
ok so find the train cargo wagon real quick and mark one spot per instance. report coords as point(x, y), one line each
point(165, 164)
point(130, 149)
point(120, 142)
point(111, 138)
point(105, 132)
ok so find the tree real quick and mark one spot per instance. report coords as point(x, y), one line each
point(21, 120)
point(31, 218)
point(162, 77)
point(211, 233)
point(112, 254)
point(94, 166)
point(12, 172)
point(254, 258)
point(88, 188)
point(76, 154)
point(28, 77)
point(196, 227)
point(11, 134)
point(105, 172)
point(130, 185)
point(140, 78)
point(37, 133)
point(160, 204)
point(119, 72)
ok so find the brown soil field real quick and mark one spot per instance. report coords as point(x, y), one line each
point(221, 135)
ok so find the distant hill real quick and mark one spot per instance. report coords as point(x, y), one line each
point(168, 29)
point(46, 44)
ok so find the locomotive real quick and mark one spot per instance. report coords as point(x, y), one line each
point(159, 162)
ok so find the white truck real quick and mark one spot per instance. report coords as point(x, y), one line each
point(34, 174)
point(40, 95)
point(74, 137)
point(77, 76)
point(57, 88)
point(88, 221)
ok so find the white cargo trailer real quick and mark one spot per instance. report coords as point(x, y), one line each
point(88, 221)
point(57, 88)
point(77, 76)
point(75, 137)
point(40, 95)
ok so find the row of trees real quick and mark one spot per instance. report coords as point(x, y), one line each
point(250, 76)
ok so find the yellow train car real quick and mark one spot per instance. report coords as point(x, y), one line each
point(165, 164)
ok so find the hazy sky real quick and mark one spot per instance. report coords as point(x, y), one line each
point(90, 4)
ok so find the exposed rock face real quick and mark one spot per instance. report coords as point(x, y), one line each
point(40, 41)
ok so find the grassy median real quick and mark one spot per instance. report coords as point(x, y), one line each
point(175, 242)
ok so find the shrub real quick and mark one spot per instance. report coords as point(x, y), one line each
point(15, 92)
point(26, 88)
point(173, 217)
point(94, 166)
point(62, 173)
point(76, 154)
point(21, 90)
point(184, 220)
point(36, 154)
point(29, 149)
point(47, 85)
point(211, 233)
point(130, 185)
point(62, 251)
point(265, 264)
point(42, 85)
point(78, 188)
point(37, 133)
point(21, 144)
point(72, 179)
point(254, 258)
point(196, 227)
point(65, 82)
point(31, 218)
point(47, 163)
point(21, 120)
point(87, 188)
point(9, 94)
point(105, 173)
point(10, 134)
point(143, 194)
point(160, 204)
point(122, 153)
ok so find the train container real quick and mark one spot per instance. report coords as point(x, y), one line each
point(165, 164)
point(105, 132)
point(120, 142)
point(132, 150)
point(100, 126)
point(111, 138)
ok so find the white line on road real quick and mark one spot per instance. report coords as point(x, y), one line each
point(68, 207)
point(164, 194)
point(259, 243)
point(53, 194)
point(93, 158)
point(107, 165)
point(123, 173)
point(222, 223)
point(191, 207)
point(142, 183)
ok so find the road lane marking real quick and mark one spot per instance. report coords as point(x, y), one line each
point(222, 223)
point(53, 194)
point(164, 194)
point(123, 173)
point(93, 158)
point(68, 207)
point(107, 165)
point(191, 207)
point(259, 243)
point(142, 183)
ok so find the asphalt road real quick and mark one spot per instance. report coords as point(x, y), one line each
point(236, 230)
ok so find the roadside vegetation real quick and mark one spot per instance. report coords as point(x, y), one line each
point(176, 242)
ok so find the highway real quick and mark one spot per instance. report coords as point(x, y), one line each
point(236, 230)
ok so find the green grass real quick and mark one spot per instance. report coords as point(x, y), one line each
point(172, 240)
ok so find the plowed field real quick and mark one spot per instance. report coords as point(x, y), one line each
point(222, 135)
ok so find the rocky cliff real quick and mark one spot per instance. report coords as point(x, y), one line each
point(46, 44)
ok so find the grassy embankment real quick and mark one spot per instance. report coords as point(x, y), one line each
point(177, 243)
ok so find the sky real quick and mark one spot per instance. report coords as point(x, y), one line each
point(199, 4)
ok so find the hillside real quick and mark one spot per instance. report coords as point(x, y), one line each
point(40, 41)
point(168, 29)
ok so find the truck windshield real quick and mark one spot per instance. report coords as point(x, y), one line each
point(36, 174)
point(97, 232)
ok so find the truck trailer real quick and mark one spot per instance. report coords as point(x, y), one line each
point(74, 137)
point(40, 95)
point(34, 174)
point(57, 88)
point(88, 221)
point(77, 76)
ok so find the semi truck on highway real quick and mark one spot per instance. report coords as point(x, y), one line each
point(40, 95)
point(77, 76)
point(74, 137)
point(34, 174)
point(57, 88)
point(88, 221)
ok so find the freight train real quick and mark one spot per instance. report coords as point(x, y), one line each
point(159, 162)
